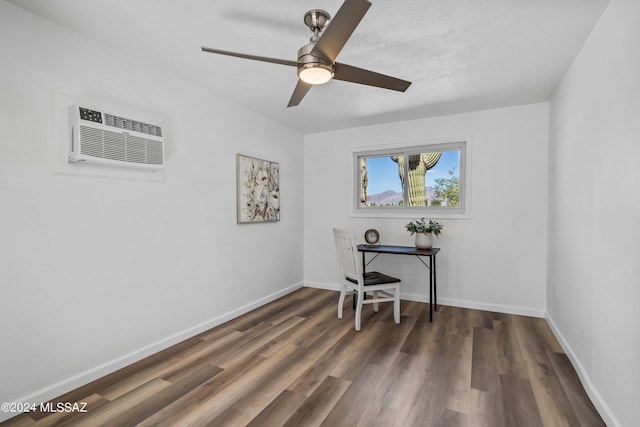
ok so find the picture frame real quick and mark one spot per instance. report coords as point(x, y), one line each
point(257, 189)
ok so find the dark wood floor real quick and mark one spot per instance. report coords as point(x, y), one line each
point(293, 363)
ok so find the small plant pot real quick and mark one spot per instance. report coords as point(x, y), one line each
point(424, 240)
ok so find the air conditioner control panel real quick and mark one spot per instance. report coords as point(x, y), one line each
point(90, 115)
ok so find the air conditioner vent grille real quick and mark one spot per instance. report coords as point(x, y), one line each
point(154, 153)
point(109, 145)
point(136, 150)
point(114, 146)
point(92, 142)
point(133, 125)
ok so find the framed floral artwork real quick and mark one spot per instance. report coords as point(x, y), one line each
point(258, 190)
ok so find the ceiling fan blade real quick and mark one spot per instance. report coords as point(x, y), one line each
point(349, 73)
point(298, 93)
point(340, 29)
point(254, 57)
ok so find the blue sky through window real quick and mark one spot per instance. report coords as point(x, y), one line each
point(382, 172)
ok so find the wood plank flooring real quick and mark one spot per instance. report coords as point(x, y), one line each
point(294, 363)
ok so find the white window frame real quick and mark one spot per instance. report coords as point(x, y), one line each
point(462, 211)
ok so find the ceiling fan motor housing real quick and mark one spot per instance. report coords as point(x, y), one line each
point(308, 63)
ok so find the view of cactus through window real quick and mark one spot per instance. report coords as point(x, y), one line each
point(431, 179)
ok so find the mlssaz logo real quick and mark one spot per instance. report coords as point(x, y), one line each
point(63, 407)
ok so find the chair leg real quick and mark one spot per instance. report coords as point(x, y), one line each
point(343, 293)
point(359, 309)
point(396, 306)
point(375, 304)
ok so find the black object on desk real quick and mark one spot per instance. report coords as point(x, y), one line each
point(408, 250)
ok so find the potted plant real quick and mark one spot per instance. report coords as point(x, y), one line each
point(424, 231)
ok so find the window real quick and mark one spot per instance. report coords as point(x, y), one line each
point(426, 179)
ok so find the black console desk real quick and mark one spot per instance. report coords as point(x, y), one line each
point(408, 250)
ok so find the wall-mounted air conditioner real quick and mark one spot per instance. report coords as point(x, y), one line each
point(107, 139)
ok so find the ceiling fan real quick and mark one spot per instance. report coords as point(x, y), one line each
point(316, 60)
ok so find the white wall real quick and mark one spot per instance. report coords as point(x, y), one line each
point(593, 285)
point(97, 272)
point(494, 260)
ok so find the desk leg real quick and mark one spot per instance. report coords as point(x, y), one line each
point(435, 286)
point(431, 288)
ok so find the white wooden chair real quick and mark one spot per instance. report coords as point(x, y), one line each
point(384, 288)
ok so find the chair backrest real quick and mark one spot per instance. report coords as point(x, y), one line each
point(348, 254)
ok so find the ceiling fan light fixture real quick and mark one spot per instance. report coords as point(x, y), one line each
point(315, 73)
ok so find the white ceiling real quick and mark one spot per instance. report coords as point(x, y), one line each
point(461, 55)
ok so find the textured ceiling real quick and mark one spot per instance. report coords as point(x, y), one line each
point(461, 55)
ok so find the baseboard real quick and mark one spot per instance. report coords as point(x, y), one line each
point(475, 305)
point(508, 309)
point(320, 285)
point(54, 390)
point(600, 404)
